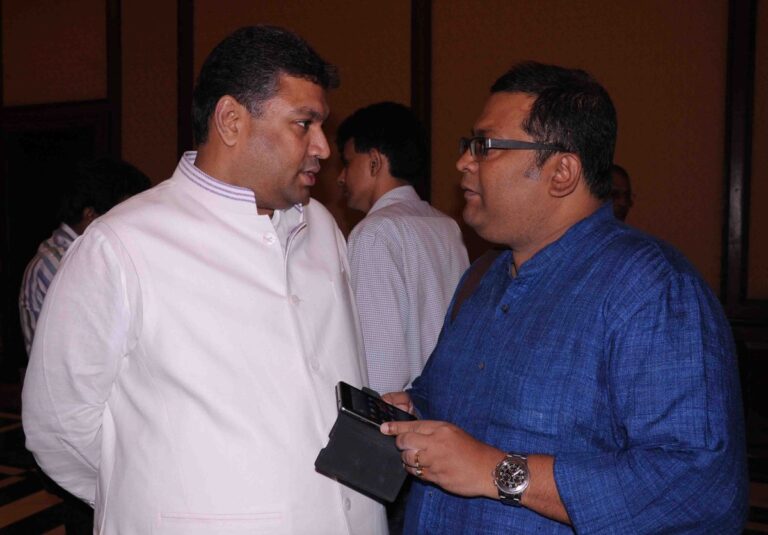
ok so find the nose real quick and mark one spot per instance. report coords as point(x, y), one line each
point(319, 146)
point(466, 161)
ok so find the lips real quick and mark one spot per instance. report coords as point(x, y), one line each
point(310, 175)
point(468, 192)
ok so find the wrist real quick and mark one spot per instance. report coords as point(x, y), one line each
point(511, 477)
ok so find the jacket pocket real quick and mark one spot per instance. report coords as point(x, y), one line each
point(221, 524)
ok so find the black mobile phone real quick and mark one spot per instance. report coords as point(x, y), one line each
point(366, 407)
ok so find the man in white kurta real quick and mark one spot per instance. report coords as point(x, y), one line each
point(406, 257)
point(182, 377)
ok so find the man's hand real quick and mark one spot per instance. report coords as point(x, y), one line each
point(443, 454)
point(401, 400)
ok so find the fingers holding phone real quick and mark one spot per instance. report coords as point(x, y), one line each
point(401, 400)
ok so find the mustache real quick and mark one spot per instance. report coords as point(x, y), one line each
point(311, 166)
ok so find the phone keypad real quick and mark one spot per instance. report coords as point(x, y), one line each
point(380, 411)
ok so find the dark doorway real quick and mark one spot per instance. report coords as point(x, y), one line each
point(40, 148)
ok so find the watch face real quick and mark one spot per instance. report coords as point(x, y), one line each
point(512, 476)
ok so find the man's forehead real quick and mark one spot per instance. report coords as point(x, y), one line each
point(303, 97)
point(503, 111)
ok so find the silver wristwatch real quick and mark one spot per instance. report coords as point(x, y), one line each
point(511, 478)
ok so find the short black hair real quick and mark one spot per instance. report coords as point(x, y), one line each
point(616, 168)
point(393, 130)
point(571, 110)
point(247, 65)
point(100, 184)
point(619, 170)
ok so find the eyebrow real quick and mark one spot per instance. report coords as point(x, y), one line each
point(479, 133)
point(311, 113)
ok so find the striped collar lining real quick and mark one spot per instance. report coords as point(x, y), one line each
point(208, 183)
point(217, 187)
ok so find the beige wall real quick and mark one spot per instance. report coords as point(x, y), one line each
point(368, 40)
point(757, 287)
point(149, 86)
point(53, 51)
point(664, 66)
point(663, 63)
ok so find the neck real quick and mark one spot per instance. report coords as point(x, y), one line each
point(80, 227)
point(385, 184)
point(558, 224)
point(212, 161)
point(209, 162)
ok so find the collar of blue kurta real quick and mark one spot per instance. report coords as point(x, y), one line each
point(570, 243)
point(223, 189)
point(393, 196)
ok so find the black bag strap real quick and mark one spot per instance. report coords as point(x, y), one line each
point(476, 273)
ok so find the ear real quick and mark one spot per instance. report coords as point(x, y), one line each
point(566, 175)
point(88, 215)
point(376, 159)
point(227, 119)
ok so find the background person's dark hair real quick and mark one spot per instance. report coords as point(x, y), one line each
point(616, 168)
point(246, 66)
point(393, 130)
point(100, 184)
point(571, 110)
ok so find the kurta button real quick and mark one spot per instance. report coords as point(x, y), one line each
point(505, 308)
point(294, 299)
point(315, 365)
point(481, 366)
point(347, 504)
point(269, 238)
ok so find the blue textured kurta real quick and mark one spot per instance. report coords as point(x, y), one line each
point(609, 352)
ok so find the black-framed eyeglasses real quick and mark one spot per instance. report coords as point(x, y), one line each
point(479, 146)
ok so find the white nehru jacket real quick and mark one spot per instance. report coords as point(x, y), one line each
point(182, 377)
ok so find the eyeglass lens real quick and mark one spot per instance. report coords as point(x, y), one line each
point(475, 145)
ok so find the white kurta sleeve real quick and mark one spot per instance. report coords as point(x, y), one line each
point(87, 326)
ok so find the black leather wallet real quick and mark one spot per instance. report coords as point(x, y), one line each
point(362, 458)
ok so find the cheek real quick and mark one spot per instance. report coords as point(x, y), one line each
point(285, 151)
point(263, 154)
point(502, 200)
point(354, 182)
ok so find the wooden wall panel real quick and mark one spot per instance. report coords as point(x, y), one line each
point(149, 86)
point(368, 40)
point(663, 64)
point(757, 276)
point(53, 51)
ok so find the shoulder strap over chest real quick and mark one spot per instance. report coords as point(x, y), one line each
point(476, 273)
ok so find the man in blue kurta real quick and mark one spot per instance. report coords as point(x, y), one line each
point(589, 382)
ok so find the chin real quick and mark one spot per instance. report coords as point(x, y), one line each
point(470, 217)
point(304, 199)
point(482, 228)
point(354, 205)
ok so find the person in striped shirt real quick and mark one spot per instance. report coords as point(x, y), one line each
point(98, 186)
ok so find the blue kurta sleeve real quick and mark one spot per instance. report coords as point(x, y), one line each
point(676, 407)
